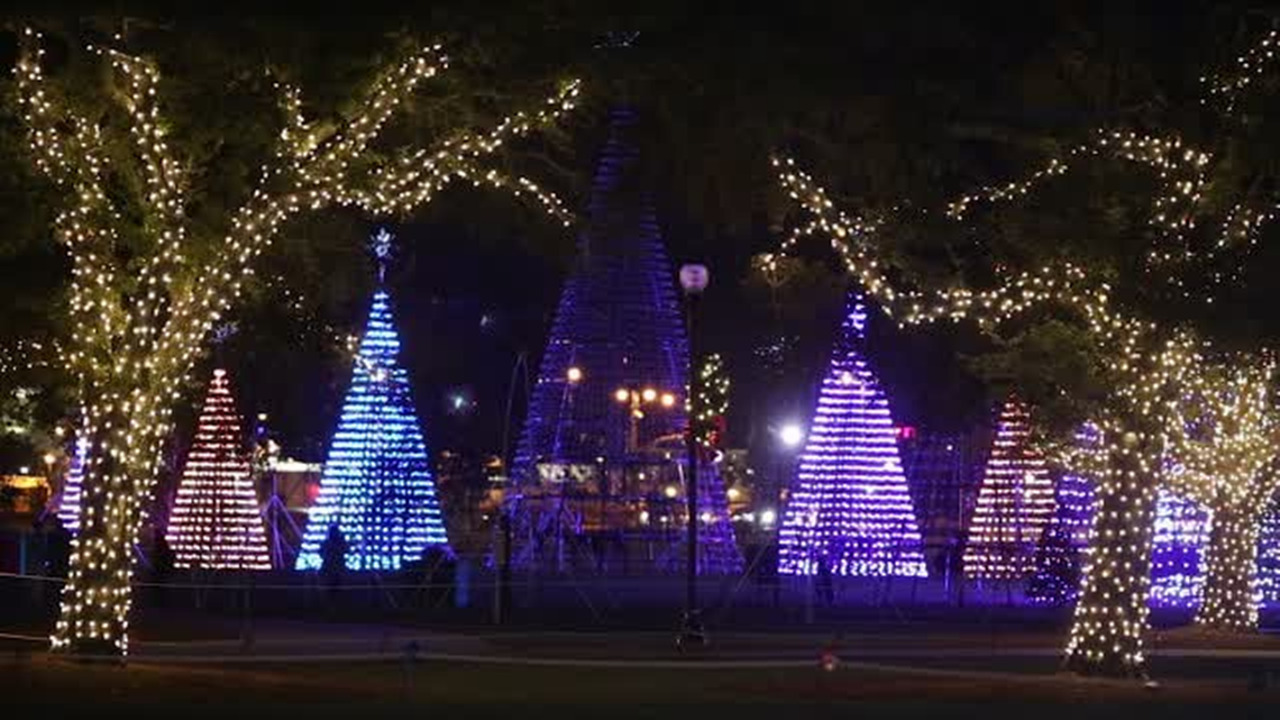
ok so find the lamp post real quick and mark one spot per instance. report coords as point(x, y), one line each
point(635, 399)
point(693, 280)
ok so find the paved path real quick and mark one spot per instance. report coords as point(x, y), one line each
point(295, 642)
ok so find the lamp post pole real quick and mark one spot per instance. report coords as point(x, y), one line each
point(693, 279)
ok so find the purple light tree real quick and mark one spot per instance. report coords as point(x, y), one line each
point(850, 509)
point(598, 476)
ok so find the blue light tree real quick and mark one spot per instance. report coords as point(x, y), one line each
point(851, 508)
point(377, 485)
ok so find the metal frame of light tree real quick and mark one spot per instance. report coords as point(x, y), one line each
point(377, 487)
point(1015, 502)
point(1147, 362)
point(215, 523)
point(140, 327)
point(850, 507)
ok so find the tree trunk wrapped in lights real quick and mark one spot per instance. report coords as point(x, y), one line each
point(148, 284)
point(1111, 614)
point(1230, 583)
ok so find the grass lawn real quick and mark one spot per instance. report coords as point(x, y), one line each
point(469, 689)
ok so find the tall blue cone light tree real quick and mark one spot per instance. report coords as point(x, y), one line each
point(850, 508)
point(598, 468)
point(377, 486)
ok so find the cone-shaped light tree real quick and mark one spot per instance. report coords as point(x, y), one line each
point(1015, 502)
point(377, 486)
point(216, 523)
point(850, 507)
point(148, 284)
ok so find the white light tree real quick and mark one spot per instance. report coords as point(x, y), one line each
point(1221, 439)
point(148, 285)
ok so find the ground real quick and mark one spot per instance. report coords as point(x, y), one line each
point(344, 669)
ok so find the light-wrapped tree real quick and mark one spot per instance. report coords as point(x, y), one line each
point(1144, 338)
point(1221, 439)
point(148, 283)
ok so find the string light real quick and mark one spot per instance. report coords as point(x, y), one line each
point(216, 524)
point(713, 400)
point(138, 330)
point(851, 509)
point(1178, 550)
point(1226, 88)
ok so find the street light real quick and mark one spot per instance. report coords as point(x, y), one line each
point(791, 435)
point(693, 279)
point(574, 374)
point(636, 399)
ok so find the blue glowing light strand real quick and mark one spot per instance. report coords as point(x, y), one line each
point(216, 523)
point(69, 499)
point(1269, 558)
point(1015, 502)
point(618, 324)
point(850, 506)
point(1178, 548)
point(377, 485)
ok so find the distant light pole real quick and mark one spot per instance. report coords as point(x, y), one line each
point(693, 279)
point(791, 435)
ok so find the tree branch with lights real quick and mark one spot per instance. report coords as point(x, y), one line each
point(148, 285)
